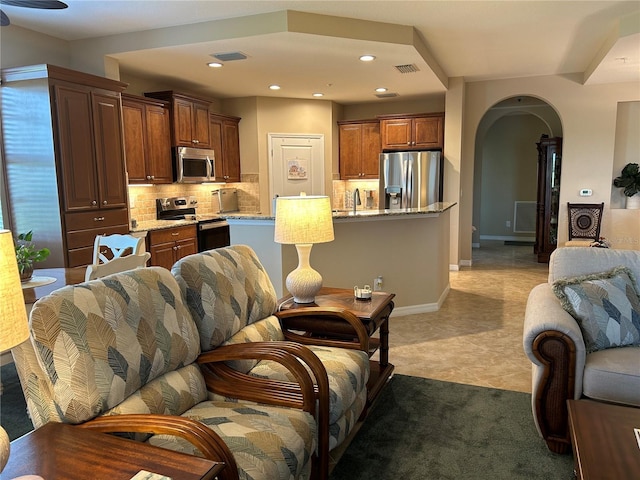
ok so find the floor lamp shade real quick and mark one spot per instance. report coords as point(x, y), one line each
point(303, 221)
point(14, 328)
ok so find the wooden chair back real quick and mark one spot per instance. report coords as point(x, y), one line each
point(585, 220)
point(119, 264)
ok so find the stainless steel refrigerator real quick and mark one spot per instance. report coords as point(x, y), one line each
point(410, 179)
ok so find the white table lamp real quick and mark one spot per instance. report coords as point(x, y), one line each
point(303, 221)
point(14, 328)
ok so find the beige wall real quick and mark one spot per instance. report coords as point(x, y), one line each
point(19, 47)
point(588, 115)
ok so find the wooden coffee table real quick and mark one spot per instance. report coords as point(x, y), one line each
point(62, 451)
point(604, 443)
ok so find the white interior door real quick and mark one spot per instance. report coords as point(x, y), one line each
point(296, 164)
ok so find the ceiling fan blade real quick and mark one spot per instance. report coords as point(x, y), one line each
point(42, 4)
point(4, 20)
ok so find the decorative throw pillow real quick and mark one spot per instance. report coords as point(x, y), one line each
point(606, 306)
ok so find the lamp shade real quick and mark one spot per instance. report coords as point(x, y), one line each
point(14, 328)
point(303, 220)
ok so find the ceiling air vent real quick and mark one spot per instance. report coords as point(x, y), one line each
point(386, 95)
point(229, 56)
point(407, 68)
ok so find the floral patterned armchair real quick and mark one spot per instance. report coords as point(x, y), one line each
point(233, 303)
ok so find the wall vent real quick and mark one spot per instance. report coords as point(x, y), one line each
point(411, 68)
point(386, 95)
point(524, 217)
point(229, 56)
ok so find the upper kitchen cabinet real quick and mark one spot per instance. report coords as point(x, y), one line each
point(147, 140)
point(412, 132)
point(359, 149)
point(225, 141)
point(189, 119)
point(89, 131)
point(64, 157)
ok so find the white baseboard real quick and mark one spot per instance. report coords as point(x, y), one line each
point(453, 267)
point(475, 245)
point(466, 263)
point(424, 308)
point(510, 238)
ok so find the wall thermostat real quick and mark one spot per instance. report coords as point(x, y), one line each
point(586, 192)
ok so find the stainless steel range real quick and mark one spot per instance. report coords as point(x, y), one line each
point(213, 231)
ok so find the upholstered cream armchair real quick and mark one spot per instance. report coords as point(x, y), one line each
point(234, 304)
point(122, 354)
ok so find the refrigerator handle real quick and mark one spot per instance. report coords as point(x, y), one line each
point(407, 191)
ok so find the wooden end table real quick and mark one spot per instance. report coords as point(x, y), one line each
point(604, 443)
point(62, 451)
point(374, 315)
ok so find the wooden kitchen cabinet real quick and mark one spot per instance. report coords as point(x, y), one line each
point(359, 155)
point(169, 245)
point(147, 140)
point(225, 139)
point(64, 158)
point(83, 227)
point(90, 138)
point(189, 119)
point(412, 132)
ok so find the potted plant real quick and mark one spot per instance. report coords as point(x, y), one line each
point(629, 179)
point(27, 255)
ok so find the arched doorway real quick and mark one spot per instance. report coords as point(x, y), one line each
point(505, 169)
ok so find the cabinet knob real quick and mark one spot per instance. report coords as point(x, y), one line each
point(98, 219)
point(148, 177)
point(104, 202)
point(153, 177)
point(175, 234)
point(94, 202)
point(175, 248)
point(195, 141)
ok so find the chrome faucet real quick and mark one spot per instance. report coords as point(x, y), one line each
point(356, 200)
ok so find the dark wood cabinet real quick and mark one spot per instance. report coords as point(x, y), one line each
point(147, 140)
point(548, 198)
point(225, 140)
point(189, 119)
point(71, 170)
point(412, 132)
point(169, 245)
point(90, 139)
point(359, 145)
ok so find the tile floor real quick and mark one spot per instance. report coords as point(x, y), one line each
point(476, 337)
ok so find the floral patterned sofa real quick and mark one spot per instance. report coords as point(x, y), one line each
point(122, 354)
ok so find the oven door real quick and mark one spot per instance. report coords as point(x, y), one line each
point(213, 234)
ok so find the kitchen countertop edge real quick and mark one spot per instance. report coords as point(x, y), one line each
point(435, 208)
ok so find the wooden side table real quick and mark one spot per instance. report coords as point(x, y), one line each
point(604, 444)
point(58, 450)
point(374, 315)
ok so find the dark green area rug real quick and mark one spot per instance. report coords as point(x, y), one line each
point(421, 429)
point(13, 408)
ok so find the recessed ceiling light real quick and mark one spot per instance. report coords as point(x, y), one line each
point(381, 89)
point(214, 64)
point(274, 87)
point(367, 58)
point(318, 94)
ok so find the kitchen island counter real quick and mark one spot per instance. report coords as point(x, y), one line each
point(409, 248)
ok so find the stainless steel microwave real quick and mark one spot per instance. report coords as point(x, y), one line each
point(194, 165)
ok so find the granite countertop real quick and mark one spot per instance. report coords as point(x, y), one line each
point(337, 215)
